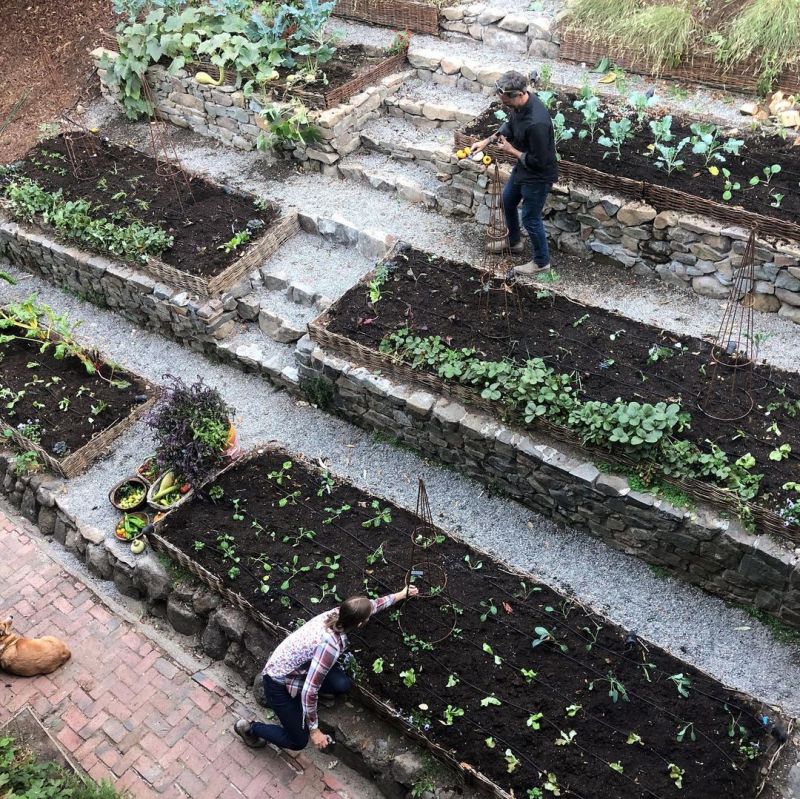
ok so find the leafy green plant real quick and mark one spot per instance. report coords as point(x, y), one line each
point(288, 124)
point(661, 130)
point(592, 115)
point(451, 713)
point(619, 131)
point(408, 677)
point(640, 102)
point(77, 220)
point(237, 240)
point(706, 142)
point(560, 129)
point(780, 453)
point(682, 684)
point(615, 688)
point(512, 761)
point(676, 774)
point(382, 515)
point(668, 157)
point(730, 186)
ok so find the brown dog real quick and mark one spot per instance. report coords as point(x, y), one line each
point(27, 657)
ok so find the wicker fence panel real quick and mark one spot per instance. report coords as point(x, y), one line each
point(398, 14)
point(393, 368)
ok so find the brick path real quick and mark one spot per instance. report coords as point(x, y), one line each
point(121, 707)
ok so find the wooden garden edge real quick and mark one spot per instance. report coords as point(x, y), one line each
point(467, 772)
point(418, 17)
point(392, 366)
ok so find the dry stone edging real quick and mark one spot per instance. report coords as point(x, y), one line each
point(701, 546)
point(365, 742)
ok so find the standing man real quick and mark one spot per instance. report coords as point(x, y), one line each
point(304, 666)
point(527, 135)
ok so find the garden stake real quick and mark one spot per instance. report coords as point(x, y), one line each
point(168, 164)
point(81, 146)
point(727, 396)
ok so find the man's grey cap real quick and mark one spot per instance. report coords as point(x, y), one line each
point(512, 81)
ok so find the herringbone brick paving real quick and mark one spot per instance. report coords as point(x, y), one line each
point(121, 708)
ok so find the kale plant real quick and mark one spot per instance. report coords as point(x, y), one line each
point(191, 424)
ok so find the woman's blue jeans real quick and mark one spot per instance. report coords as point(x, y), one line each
point(292, 733)
point(532, 196)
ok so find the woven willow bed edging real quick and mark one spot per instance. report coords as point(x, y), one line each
point(393, 367)
point(398, 14)
point(466, 771)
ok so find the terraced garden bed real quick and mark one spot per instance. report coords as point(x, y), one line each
point(183, 230)
point(62, 405)
point(529, 692)
point(398, 14)
point(648, 400)
point(616, 147)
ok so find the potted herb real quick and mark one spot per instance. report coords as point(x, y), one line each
point(129, 494)
point(193, 432)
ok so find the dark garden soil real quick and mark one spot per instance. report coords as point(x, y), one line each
point(126, 184)
point(638, 164)
point(613, 356)
point(306, 532)
point(60, 398)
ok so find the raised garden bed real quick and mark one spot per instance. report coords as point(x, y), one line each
point(397, 14)
point(284, 540)
point(211, 236)
point(62, 406)
point(389, 321)
point(701, 68)
point(773, 207)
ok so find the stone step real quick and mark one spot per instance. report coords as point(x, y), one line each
point(281, 313)
point(411, 181)
point(404, 140)
point(431, 105)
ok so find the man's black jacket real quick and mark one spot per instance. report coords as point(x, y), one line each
point(530, 130)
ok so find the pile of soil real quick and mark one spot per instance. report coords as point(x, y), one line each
point(200, 215)
point(638, 163)
point(67, 403)
point(613, 356)
point(308, 533)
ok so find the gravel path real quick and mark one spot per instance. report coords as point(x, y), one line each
point(420, 91)
point(387, 130)
point(723, 641)
point(678, 97)
point(377, 165)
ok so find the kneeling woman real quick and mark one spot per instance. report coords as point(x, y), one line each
point(303, 666)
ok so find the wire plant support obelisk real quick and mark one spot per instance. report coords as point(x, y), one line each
point(497, 254)
point(168, 165)
point(727, 394)
point(82, 145)
point(426, 567)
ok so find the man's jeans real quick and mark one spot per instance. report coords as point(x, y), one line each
point(292, 733)
point(532, 196)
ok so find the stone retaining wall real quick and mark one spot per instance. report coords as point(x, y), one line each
point(223, 633)
point(225, 114)
point(517, 33)
point(700, 546)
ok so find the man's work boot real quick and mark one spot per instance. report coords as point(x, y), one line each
point(530, 269)
point(242, 729)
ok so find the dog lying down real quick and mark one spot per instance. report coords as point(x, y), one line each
point(27, 657)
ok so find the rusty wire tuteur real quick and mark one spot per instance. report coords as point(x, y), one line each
point(727, 396)
point(426, 568)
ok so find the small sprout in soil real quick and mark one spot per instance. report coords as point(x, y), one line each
point(565, 738)
point(777, 199)
point(535, 793)
point(659, 353)
point(617, 766)
point(216, 492)
point(729, 186)
point(682, 684)
point(302, 535)
point(238, 511)
point(376, 556)
point(580, 320)
point(329, 562)
point(198, 545)
point(428, 541)
point(525, 591)
point(498, 661)
point(528, 674)
point(421, 787)
point(381, 516)
point(490, 609)
point(236, 241)
point(452, 681)
point(490, 700)
point(750, 750)
point(335, 513)
point(686, 728)
point(450, 714)
point(326, 590)
point(327, 484)
point(615, 687)
point(545, 635)
point(233, 572)
point(377, 666)
point(572, 710)
point(293, 569)
point(282, 474)
point(415, 644)
point(490, 744)
point(780, 453)
point(289, 499)
point(551, 784)
point(592, 634)
point(263, 585)
point(676, 774)
point(478, 564)
point(408, 677)
point(511, 761)
point(634, 738)
point(533, 721)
